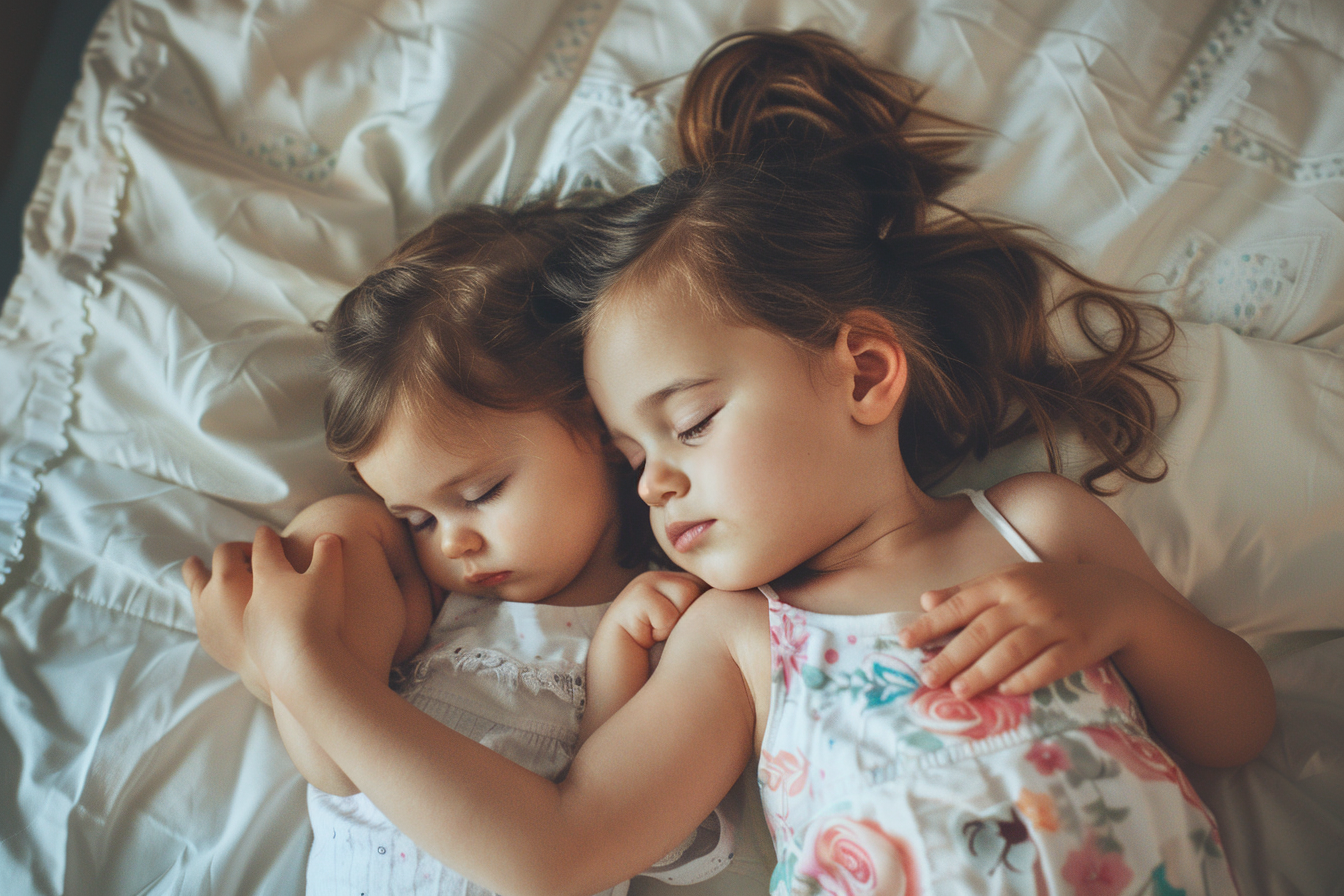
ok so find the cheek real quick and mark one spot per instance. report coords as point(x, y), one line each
point(432, 562)
point(419, 618)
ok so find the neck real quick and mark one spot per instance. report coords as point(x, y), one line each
point(883, 532)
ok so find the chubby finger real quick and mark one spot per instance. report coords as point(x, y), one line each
point(231, 560)
point(953, 611)
point(268, 552)
point(965, 649)
point(938, 596)
point(327, 555)
point(1007, 657)
point(663, 617)
point(196, 576)
point(1047, 667)
point(681, 592)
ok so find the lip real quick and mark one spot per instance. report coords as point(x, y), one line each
point(683, 536)
point(487, 579)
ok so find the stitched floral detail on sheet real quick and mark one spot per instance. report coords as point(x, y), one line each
point(1255, 150)
point(284, 151)
point(182, 106)
point(1231, 30)
point(1246, 289)
point(570, 47)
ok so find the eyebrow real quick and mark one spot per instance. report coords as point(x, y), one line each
point(446, 486)
point(655, 399)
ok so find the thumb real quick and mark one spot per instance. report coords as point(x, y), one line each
point(268, 553)
point(195, 576)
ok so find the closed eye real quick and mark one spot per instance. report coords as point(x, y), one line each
point(489, 495)
point(423, 525)
point(692, 433)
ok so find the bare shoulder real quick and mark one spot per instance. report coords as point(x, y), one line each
point(342, 514)
point(1064, 522)
point(1060, 519)
point(734, 618)
point(727, 634)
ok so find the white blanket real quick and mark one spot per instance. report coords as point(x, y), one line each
point(226, 171)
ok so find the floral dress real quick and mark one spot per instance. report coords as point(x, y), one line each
point(874, 783)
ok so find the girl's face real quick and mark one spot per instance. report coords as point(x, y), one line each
point(517, 506)
point(748, 447)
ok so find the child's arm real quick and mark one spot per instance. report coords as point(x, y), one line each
point(386, 589)
point(642, 615)
point(680, 743)
point(1205, 691)
point(218, 597)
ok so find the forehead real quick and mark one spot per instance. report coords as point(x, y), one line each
point(442, 436)
point(636, 337)
point(641, 350)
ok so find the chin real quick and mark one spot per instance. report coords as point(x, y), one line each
point(727, 580)
point(743, 576)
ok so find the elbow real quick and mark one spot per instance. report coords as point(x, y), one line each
point(1252, 732)
point(560, 871)
point(1262, 719)
point(555, 884)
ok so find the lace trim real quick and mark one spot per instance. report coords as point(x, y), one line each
point(561, 678)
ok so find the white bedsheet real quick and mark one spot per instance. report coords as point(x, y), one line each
point(226, 171)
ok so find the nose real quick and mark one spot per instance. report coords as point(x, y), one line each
point(459, 541)
point(661, 482)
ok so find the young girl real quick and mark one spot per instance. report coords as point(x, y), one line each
point(788, 342)
point(497, 510)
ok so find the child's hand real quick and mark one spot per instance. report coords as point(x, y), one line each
point(619, 658)
point(218, 597)
point(1028, 625)
point(291, 614)
point(651, 604)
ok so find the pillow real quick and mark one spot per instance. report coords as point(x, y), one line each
point(1247, 521)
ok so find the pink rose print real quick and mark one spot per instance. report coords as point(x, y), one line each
point(1048, 758)
point(784, 771)
point(1103, 679)
point(940, 711)
point(848, 857)
point(1096, 873)
point(1146, 760)
point(786, 646)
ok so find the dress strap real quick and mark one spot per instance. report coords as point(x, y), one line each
point(998, 521)
point(769, 593)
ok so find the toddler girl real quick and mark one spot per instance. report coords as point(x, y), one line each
point(789, 342)
point(496, 519)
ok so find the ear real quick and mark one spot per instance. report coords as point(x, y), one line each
point(874, 364)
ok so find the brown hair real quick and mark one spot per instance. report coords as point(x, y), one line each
point(458, 314)
point(809, 196)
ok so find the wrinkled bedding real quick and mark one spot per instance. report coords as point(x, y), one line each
point(224, 172)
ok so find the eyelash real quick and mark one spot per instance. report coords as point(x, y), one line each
point(697, 430)
point(491, 494)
